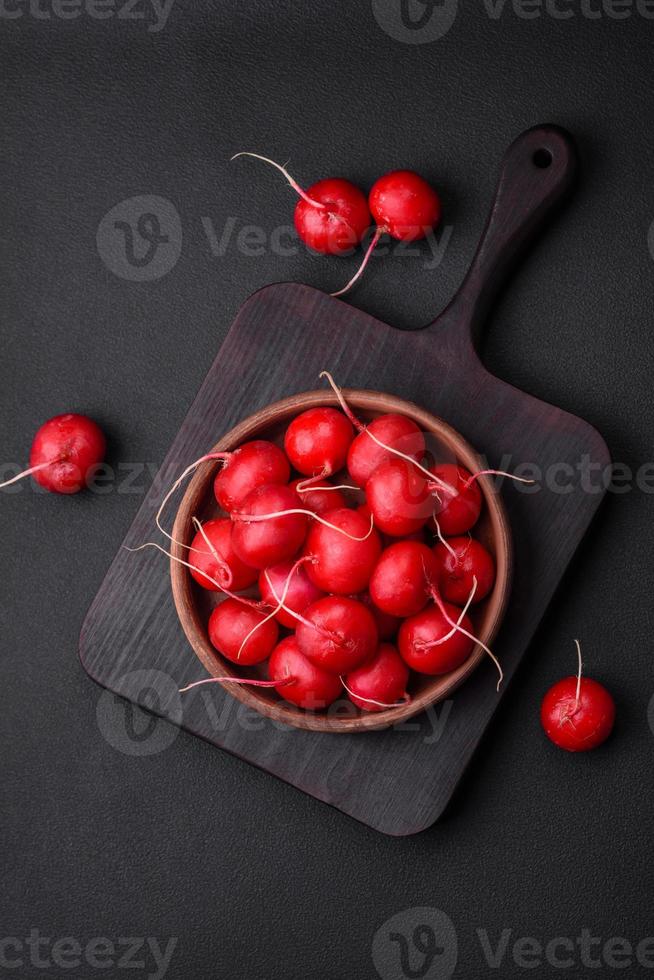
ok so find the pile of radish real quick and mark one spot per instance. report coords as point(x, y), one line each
point(346, 559)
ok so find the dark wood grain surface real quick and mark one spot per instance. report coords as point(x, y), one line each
point(400, 780)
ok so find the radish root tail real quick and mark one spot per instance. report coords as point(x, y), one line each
point(366, 258)
point(380, 704)
point(258, 518)
point(362, 428)
point(291, 180)
point(456, 626)
point(32, 469)
point(232, 595)
point(178, 482)
point(236, 680)
point(280, 603)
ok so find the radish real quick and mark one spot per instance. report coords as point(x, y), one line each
point(460, 499)
point(239, 632)
point(338, 634)
point(429, 645)
point(212, 554)
point(381, 683)
point(301, 591)
point(387, 626)
point(394, 431)
point(343, 555)
point(252, 465)
point(331, 217)
point(269, 539)
point(317, 441)
point(65, 454)
point(460, 561)
point(457, 497)
point(320, 498)
point(399, 498)
point(577, 713)
point(400, 583)
point(403, 206)
point(299, 680)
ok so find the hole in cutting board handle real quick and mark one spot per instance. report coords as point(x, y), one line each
point(542, 158)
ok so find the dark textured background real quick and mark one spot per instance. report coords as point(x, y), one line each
point(255, 879)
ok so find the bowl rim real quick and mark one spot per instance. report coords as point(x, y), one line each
point(183, 584)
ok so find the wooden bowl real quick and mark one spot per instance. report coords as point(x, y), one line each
point(194, 604)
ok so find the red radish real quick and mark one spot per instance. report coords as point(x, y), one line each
point(338, 634)
point(404, 205)
point(65, 454)
point(331, 217)
point(301, 681)
point(460, 561)
point(260, 543)
point(317, 441)
point(381, 683)
point(340, 220)
point(386, 539)
point(254, 464)
point(211, 552)
point(321, 498)
point(231, 623)
point(301, 591)
point(577, 713)
point(387, 626)
point(382, 439)
point(428, 643)
point(399, 498)
point(460, 499)
point(395, 431)
point(343, 562)
point(401, 582)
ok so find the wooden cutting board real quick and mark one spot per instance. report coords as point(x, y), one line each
point(400, 780)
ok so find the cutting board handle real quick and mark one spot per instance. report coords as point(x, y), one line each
point(537, 171)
